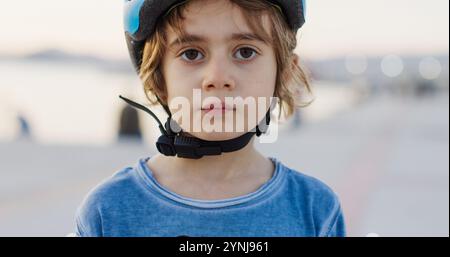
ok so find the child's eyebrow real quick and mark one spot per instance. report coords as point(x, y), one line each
point(189, 39)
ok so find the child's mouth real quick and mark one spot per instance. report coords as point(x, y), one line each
point(217, 108)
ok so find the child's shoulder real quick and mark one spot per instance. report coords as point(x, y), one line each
point(120, 185)
point(300, 179)
point(109, 195)
point(308, 188)
point(312, 196)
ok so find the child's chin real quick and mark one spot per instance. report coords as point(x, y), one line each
point(217, 136)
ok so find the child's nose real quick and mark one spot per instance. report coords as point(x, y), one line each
point(218, 76)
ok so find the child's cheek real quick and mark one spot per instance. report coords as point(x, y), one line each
point(260, 84)
point(180, 81)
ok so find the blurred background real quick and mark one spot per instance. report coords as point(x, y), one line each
point(377, 133)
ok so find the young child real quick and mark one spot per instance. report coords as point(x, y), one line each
point(213, 183)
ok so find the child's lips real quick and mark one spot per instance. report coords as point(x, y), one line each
point(217, 108)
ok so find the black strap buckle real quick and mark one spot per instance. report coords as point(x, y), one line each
point(191, 147)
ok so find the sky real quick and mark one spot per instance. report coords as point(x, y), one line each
point(333, 28)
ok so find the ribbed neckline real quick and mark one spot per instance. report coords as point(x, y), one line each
point(260, 194)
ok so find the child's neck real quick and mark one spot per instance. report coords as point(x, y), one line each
point(221, 167)
point(244, 170)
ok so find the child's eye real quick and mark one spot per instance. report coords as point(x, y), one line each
point(246, 53)
point(191, 55)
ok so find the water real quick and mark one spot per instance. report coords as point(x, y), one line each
point(63, 103)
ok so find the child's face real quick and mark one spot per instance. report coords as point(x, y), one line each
point(219, 66)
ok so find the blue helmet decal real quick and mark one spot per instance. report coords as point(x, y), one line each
point(304, 8)
point(131, 17)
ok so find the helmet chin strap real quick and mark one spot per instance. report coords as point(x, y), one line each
point(172, 143)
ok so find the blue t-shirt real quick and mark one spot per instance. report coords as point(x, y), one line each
point(132, 203)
